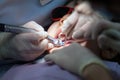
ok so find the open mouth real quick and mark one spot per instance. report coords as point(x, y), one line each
point(68, 41)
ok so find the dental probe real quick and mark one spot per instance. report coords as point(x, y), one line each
point(19, 29)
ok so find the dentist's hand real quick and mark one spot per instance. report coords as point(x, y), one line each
point(26, 46)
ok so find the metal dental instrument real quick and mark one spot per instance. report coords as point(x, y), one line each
point(56, 42)
point(18, 29)
point(14, 29)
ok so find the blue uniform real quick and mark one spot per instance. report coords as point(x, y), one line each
point(18, 12)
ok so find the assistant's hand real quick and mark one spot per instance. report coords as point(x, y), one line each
point(26, 46)
point(84, 22)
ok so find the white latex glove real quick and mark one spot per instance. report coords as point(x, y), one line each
point(78, 59)
point(110, 39)
point(26, 46)
point(73, 58)
point(84, 23)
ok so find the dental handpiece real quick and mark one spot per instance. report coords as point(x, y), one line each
point(56, 42)
point(19, 29)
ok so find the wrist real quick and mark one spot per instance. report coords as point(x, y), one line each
point(96, 72)
point(90, 60)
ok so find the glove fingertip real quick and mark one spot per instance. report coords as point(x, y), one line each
point(50, 46)
point(45, 34)
point(84, 7)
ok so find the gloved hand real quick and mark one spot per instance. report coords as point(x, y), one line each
point(110, 39)
point(74, 58)
point(84, 22)
point(80, 61)
point(25, 46)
